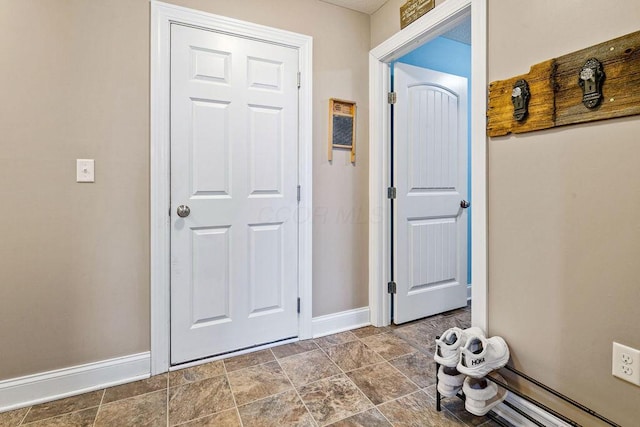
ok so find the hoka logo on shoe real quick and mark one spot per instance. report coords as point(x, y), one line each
point(477, 362)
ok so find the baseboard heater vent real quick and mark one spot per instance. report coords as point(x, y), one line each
point(532, 401)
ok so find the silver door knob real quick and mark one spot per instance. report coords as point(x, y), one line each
point(183, 211)
point(464, 204)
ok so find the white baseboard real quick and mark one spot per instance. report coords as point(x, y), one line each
point(47, 386)
point(518, 420)
point(340, 322)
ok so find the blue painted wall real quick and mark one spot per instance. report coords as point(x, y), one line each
point(449, 56)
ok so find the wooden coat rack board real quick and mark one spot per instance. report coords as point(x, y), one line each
point(556, 97)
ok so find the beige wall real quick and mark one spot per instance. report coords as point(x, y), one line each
point(564, 233)
point(74, 258)
point(385, 22)
point(340, 70)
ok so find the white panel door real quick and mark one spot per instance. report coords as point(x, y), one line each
point(234, 163)
point(430, 175)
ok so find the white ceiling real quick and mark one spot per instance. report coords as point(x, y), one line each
point(365, 6)
point(461, 32)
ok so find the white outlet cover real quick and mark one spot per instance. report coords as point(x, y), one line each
point(626, 363)
point(85, 170)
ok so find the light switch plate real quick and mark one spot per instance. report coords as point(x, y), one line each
point(85, 170)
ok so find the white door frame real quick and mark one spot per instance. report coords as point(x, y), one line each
point(438, 21)
point(162, 16)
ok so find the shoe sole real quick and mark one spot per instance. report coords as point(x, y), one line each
point(450, 391)
point(487, 405)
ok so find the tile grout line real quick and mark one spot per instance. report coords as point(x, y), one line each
point(202, 417)
point(374, 405)
point(423, 389)
point(298, 354)
point(403, 374)
point(444, 408)
point(447, 410)
point(456, 417)
point(388, 362)
point(25, 415)
point(383, 361)
point(429, 396)
point(235, 403)
point(384, 416)
point(226, 373)
point(296, 391)
point(186, 384)
point(60, 415)
point(99, 406)
point(295, 388)
point(333, 345)
point(250, 366)
point(189, 382)
point(264, 397)
point(275, 360)
point(344, 373)
point(167, 398)
point(367, 410)
point(454, 315)
point(351, 338)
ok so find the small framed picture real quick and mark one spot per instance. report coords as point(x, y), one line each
point(342, 126)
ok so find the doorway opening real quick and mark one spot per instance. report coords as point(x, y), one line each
point(440, 27)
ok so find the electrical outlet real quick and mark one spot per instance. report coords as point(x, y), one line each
point(626, 363)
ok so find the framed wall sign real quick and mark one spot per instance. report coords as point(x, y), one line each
point(342, 126)
point(414, 9)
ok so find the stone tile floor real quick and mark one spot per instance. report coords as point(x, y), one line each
point(366, 377)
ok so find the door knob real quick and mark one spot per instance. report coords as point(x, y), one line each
point(464, 204)
point(183, 211)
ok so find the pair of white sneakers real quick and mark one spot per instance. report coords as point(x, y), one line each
point(466, 357)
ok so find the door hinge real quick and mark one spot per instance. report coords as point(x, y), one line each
point(299, 193)
point(298, 305)
point(299, 79)
point(391, 287)
point(392, 97)
point(391, 193)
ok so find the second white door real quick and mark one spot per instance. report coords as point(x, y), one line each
point(430, 175)
point(234, 177)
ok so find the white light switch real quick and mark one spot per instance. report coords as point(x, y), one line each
point(85, 170)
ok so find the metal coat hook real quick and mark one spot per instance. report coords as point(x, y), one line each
point(520, 98)
point(590, 80)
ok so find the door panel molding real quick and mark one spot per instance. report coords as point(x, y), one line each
point(162, 16)
point(438, 21)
